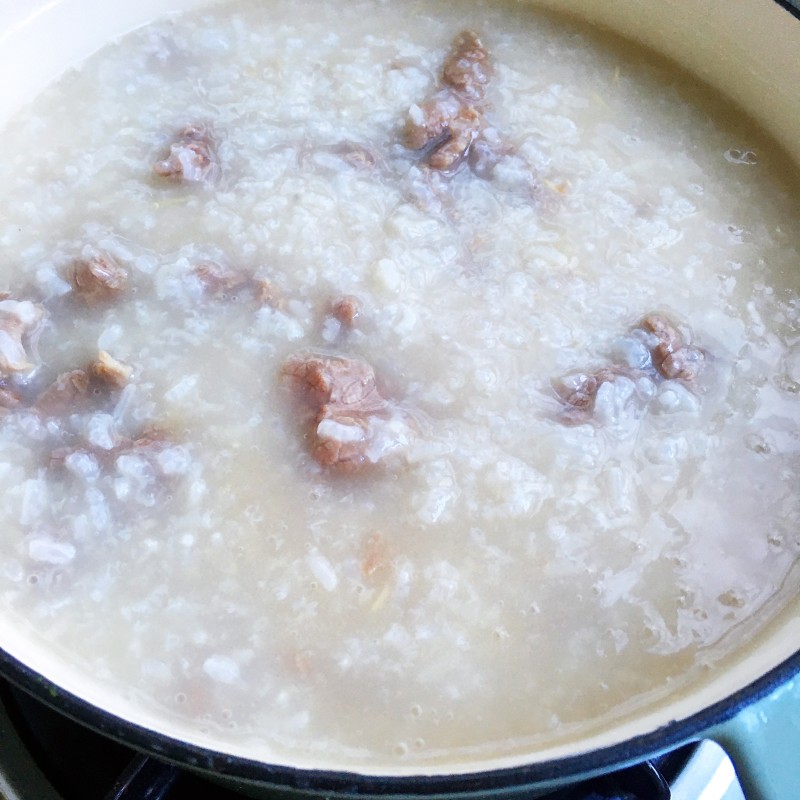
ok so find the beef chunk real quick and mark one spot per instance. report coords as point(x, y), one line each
point(333, 385)
point(218, 280)
point(683, 364)
point(467, 68)
point(578, 392)
point(428, 123)
point(268, 294)
point(672, 357)
point(107, 371)
point(350, 422)
point(10, 397)
point(80, 389)
point(68, 393)
point(346, 310)
point(149, 443)
point(20, 321)
point(486, 152)
point(463, 130)
point(192, 157)
point(450, 127)
point(98, 279)
point(230, 283)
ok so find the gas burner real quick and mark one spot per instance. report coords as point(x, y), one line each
point(47, 756)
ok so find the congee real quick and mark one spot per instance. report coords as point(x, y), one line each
point(394, 382)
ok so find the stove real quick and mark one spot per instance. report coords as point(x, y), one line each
point(46, 756)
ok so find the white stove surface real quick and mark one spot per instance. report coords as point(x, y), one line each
point(709, 775)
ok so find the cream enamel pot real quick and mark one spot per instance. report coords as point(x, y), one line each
point(747, 49)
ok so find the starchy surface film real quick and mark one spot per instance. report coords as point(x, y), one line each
point(394, 386)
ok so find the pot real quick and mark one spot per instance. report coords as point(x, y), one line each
point(748, 51)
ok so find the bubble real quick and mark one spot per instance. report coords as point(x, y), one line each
point(400, 749)
point(758, 444)
point(786, 383)
point(731, 599)
point(736, 156)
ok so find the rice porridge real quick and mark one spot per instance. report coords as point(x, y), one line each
point(394, 386)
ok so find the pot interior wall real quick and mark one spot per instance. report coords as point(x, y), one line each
point(746, 50)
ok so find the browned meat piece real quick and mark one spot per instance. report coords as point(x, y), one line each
point(343, 400)
point(107, 371)
point(346, 310)
point(578, 392)
point(445, 128)
point(148, 443)
point(463, 131)
point(429, 123)
point(672, 358)
point(450, 125)
point(219, 280)
point(684, 364)
point(98, 279)
point(69, 392)
point(335, 384)
point(485, 154)
point(192, 157)
point(229, 283)
point(663, 330)
point(341, 442)
point(268, 294)
point(78, 389)
point(10, 398)
point(467, 68)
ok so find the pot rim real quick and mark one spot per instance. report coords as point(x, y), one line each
point(580, 765)
point(791, 6)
